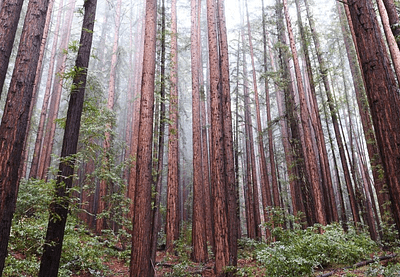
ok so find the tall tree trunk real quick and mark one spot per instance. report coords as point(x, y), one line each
point(232, 204)
point(382, 94)
point(364, 111)
point(308, 149)
point(218, 161)
point(172, 221)
point(135, 122)
point(198, 222)
point(204, 137)
point(331, 210)
point(33, 173)
point(14, 122)
point(391, 40)
point(265, 186)
point(393, 19)
point(48, 142)
point(59, 208)
point(268, 199)
point(100, 222)
point(161, 133)
point(141, 264)
point(9, 16)
point(295, 161)
point(36, 85)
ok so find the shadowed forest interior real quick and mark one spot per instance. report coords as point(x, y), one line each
point(199, 138)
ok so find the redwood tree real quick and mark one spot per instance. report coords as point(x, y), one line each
point(172, 221)
point(198, 221)
point(59, 208)
point(9, 15)
point(14, 122)
point(382, 93)
point(141, 240)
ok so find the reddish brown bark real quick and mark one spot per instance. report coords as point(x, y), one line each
point(327, 185)
point(172, 221)
point(38, 142)
point(198, 221)
point(382, 94)
point(141, 241)
point(308, 149)
point(48, 141)
point(218, 170)
point(14, 122)
point(393, 19)
point(232, 205)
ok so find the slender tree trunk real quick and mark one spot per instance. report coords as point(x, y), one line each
point(309, 153)
point(14, 122)
point(141, 264)
point(100, 222)
point(331, 210)
point(10, 12)
point(265, 186)
point(390, 38)
point(48, 142)
point(393, 19)
point(198, 222)
point(267, 199)
point(232, 205)
point(205, 140)
point(161, 133)
point(33, 173)
point(135, 122)
point(59, 208)
point(172, 221)
point(36, 85)
point(299, 185)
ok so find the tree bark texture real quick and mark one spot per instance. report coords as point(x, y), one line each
point(59, 209)
point(46, 97)
point(141, 240)
point(172, 221)
point(382, 94)
point(15, 116)
point(9, 17)
point(308, 149)
point(218, 170)
point(198, 221)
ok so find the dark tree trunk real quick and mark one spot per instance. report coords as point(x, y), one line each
point(9, 17)
point(14, 122)
point(59, 208)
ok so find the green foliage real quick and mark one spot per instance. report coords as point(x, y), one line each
point(183, 246)
point(81, 251)
point(299, 252)
point(377, 269)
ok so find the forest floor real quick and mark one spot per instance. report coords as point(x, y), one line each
point(168, 265)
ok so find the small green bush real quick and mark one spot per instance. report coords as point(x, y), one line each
point(299, 252)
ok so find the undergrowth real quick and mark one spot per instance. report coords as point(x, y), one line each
point(299, 252)
point(82, 251)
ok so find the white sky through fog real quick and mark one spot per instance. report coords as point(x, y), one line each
point(322, 11)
